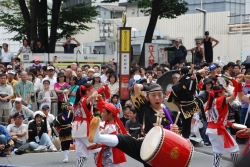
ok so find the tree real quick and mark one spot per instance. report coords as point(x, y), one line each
point(157, 9)
point(29, 19)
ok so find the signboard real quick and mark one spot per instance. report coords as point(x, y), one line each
point(89, 58)
point(26, 65)
point(124, 60)
point(163, 56)
point(29, 57)
point(151, 54)
point(63, 57)
point(62, 65)
point(110, 47)
point(124, 64)
point(124, 80)
point(125, 40)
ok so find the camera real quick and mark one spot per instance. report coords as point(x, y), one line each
point(3, 96)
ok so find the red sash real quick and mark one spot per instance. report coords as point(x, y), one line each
point(228, 142)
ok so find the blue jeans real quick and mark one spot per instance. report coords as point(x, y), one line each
point(204, 136)
point(3, 141)
point(45, 141)
point(243, 113)
point(197, 63)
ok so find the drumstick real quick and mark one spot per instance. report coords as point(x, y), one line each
point(177, 117)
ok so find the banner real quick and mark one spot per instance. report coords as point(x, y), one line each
point(124, 80)
point(163, 56)
point(29, 57)
point(151, 54)
point(61, 57)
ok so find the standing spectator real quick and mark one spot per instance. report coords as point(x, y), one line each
point(74, 66)
point(19, 108)
point(96, 68)
point(5, 141)
point(133, 127)
point(86, 68)
point(159, 72)
point(180, 53)
point(39, 48)
point(69, 47)
point(49, 117)
point(73, 89)
point(46, 96)
point(80, 79)
point(230, 68)
point(7, 56)
point(113, 84)
point(132, 81)
point(104, 77)
point(96, 82)
point(18, 130)
point(208, 46)
point(62, 89)
point(236, 70)
point(5, 98)
point(90, 75)
point(24, 90)
point(238, 62)
point(198, 53)
point(10, 79)
point(0, 51)
point(25, 48)
point(68, 74)
point(219, 62)
point(125, 116)
point(50, 77)
point(175, 78)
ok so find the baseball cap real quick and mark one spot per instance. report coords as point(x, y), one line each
point(17, 114)
point(96, 75)
point(38, 113)
point(9, 66)
point(184, 70)
point(207, 33)
point(50, 68)
point(91, 70)
point(36, 59)
point(177, 40)
point(11, 72)
point(212, 67)
point(46, 107)
point(18, 99)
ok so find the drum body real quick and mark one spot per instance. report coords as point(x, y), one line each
point(162, 148)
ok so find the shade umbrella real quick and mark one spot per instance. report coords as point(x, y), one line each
point(165, 79)
point(246, 63)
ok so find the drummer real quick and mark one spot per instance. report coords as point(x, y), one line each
point(150, 113)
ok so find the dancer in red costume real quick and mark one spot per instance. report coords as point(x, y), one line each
point(216, 112)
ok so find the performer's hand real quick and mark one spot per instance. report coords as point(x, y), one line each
point(240, 78)
point(247, 132)
point(174, 128)
point(99, 97)
point(98, 145)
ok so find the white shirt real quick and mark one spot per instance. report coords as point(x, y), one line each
point(7, 56)
point(113, 87)
point(23, 128)
point(50, 118)
point(52, 83)
point(103, 78)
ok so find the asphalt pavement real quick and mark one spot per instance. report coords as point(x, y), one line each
point(202, 158)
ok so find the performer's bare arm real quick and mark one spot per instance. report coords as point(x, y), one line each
point(138, 88)
point(231, 97)
point(243, 97)
point(92, 97)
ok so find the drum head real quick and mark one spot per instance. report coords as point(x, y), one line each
point(239, 126)
point(151, 143)
point(171, 106)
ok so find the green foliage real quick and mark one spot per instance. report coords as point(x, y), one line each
point(72, 20)
point(12, 21)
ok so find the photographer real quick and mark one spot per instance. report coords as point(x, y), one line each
point(5, 141)
point(38, 133)
point(6, 93)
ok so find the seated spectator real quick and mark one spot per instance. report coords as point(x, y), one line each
point(132, 125)
point(18, 132)
point(18, 107)
point(50, 117)
point(39, 139)
point(46, 96)
point(5, 141)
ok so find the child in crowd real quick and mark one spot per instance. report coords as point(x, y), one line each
point(110, 156)
point(125, 116)
point(132, 125)
point(115, 101)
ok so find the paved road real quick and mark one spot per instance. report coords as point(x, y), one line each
point(202, 158)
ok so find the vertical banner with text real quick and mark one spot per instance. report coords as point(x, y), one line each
point(125, 49)
point(151, 54)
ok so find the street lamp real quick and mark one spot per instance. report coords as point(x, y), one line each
point(205, 18)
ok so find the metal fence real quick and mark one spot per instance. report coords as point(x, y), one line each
point(239, 19)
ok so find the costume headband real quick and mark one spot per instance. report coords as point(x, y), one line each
point(84, 88)
point(153, 91)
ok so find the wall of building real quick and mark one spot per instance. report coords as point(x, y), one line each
point(133, 11)
point(103, 13)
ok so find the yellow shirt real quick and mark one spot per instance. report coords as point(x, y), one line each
point(12, 83)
